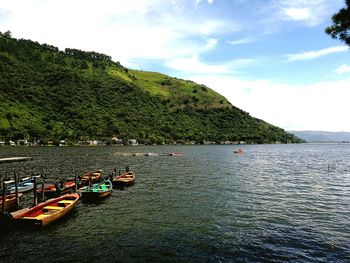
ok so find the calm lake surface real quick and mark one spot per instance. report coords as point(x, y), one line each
point(274, 203)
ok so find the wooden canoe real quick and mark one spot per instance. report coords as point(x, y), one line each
point(125, 179)
point(97, 192)
point(47, 212)
point(10, 200)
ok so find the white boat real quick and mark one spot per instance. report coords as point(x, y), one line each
point(23, 186)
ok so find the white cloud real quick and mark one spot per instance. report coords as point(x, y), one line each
point(209, 1)
point(316, 53)
point(343, 69)
point(309, 13)
point(193, 65)
point(211, 43)
point(245, 40)
point(126, 30)
point(318, 106)
point(294, 13)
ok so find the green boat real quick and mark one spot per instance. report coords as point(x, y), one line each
point(97, 192)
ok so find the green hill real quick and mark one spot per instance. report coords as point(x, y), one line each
point(48, 94)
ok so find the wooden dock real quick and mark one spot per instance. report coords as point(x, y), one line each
point(15, 159)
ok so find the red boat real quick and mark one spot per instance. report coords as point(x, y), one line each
point(57, 189)
point(10, 200)
point(47, 212)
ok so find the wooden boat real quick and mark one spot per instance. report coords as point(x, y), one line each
point(57, 189)
point(97, 191)
point(22, 187)
point(94, 177)
point(125, 179)
point(10, 200)
point(47, 212)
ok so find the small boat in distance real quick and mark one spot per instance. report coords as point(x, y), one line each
point(239, 151)
point(125, 179)
point(171, 154)
point(47, 212)
point(97, 192)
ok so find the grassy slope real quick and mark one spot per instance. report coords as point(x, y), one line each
point(49, 94)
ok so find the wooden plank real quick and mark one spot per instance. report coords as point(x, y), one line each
point(66, 202)
point(48, 207)
point(15, 159)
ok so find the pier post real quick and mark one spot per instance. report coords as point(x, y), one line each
point(42, 187)
point(3, 196)
point(16, 188)
point(76, 183)
point(35, 202)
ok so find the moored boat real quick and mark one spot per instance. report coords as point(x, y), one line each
point(97, 192)
point(22, 187)
point(10, 200)
point(92, 177)
point(171, 154)
point(57, 189)
point(47, 212)
point(125, 179)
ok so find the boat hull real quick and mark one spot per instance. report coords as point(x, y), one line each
point(51, 191)
point(47, 212)
point(22, 187)
point(10, 201)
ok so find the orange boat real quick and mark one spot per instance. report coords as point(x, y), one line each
point(95, 177)
point(47, 212)
point(57, 189)
point(125, 179)
point(10, 200)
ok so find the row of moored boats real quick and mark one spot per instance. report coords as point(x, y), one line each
point(63, 196)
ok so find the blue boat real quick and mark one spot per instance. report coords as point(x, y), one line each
point(23, 186)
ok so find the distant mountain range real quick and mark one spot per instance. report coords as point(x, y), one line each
point(322, 136)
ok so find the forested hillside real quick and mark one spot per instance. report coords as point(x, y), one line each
point(48, 94)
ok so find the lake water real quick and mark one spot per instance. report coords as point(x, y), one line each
point(274, 203)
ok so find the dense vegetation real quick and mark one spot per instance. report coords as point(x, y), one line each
point(340, 29)
point(48, 94)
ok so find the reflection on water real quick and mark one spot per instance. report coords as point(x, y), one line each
point(273, 203)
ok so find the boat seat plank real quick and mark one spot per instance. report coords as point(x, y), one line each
point(66, 202)
point(41, 216)
point(49, 207)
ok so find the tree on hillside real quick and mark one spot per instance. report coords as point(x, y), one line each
point(340, 29)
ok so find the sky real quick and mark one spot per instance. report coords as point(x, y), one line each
point(270, 58)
